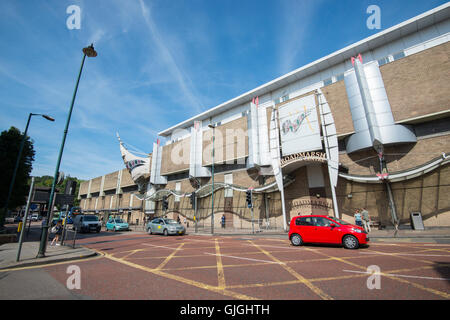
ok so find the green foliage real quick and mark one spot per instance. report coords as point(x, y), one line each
point(10, 142)
point(46, 181)
point(9, 150)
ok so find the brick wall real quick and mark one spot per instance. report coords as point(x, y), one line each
point(175, 156)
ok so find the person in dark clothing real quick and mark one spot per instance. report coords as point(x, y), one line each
point(223, 221)
point(57, 231)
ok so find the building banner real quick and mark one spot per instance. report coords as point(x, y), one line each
point(299, 126)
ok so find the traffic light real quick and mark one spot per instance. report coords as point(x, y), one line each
point(165, 203)
point(249, 198)
point(192, 198)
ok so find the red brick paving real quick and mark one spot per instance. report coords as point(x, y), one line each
point(193, 272)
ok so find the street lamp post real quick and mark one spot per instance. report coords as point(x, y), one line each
point(212, 194)
point(22, 143)
point(90, 52)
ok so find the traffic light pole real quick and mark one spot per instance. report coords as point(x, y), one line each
point(251, 197)
point(195, 213)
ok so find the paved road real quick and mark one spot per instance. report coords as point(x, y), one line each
point(193, 267)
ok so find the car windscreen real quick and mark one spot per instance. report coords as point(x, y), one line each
point(170, 221)
point(90, 218)
point(118, 220)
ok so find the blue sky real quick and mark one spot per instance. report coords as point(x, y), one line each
point(159, 63)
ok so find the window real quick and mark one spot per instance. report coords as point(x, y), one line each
point(340, 77)
point(285, 98)
point(304, 221)
point(327, 82)
point(383, 61)
point(398, 55)
point(321, 222)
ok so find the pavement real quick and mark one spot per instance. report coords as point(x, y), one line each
point(56, 254)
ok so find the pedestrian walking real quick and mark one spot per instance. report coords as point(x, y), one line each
point(178, 219)
point(366, 219)
point(223, 221)
point(358, 220)
point(57, 231)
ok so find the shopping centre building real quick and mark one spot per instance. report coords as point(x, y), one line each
point(367, 126)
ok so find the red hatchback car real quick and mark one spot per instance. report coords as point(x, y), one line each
point(325, 229)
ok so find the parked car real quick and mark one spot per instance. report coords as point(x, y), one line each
point(165, 226)
point(86, 223)
point(325, 229)
point(116, 224)
point(34, 217)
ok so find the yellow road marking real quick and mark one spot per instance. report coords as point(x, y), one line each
point(220, 273)
point(169, 257)
point(305, 281)
point(436, 292)
point(183, 280)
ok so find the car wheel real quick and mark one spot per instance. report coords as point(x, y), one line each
point(166, 233)
point(296, 240)
point(350, 242)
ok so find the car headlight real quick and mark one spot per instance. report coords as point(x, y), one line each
point(357, 230)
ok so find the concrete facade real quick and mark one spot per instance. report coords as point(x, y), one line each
point(413, 60)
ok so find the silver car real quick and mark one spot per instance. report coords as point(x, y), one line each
point(165, 226)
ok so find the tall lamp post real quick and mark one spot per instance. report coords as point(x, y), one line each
point(212, 193)
point(22, 143)
point(90, 52)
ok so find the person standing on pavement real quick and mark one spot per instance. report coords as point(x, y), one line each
point(358, 220)
point(57, 230)
point(366, 219)
point(223, 221)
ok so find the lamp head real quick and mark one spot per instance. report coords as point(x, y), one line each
point(48, 117)
point(89, 51)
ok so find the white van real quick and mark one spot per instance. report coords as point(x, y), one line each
point(86, 223)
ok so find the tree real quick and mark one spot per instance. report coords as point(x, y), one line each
point(9, 150)
point(46, 181)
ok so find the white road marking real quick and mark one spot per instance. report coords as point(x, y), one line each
point(222, 255)
point(152, 245)
point(397, 275)
point(408, 254)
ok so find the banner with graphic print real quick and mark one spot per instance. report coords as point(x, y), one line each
point(299, 126)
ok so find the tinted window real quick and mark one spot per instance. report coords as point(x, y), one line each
point(304, 221)
point(321, 222)
point(155, 221)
